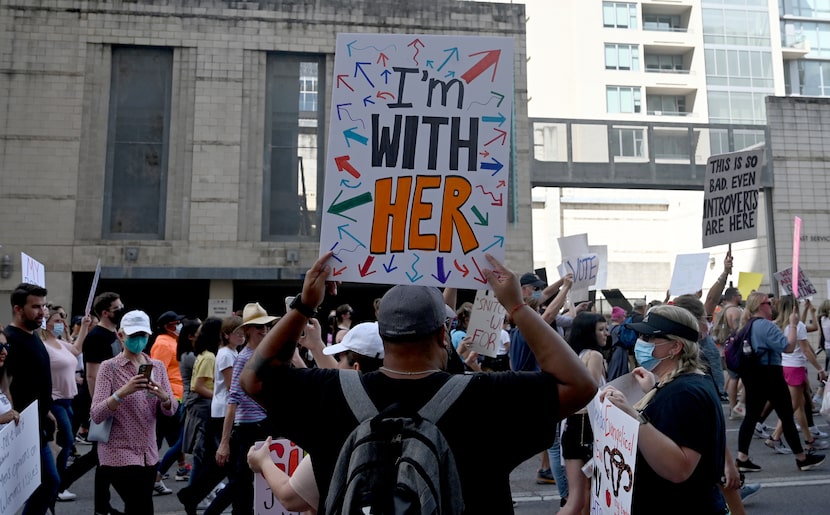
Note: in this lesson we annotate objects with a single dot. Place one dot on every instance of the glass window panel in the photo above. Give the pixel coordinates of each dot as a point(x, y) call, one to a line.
point(611, 57)
point(609, 16)
point(719, 106)
point(626, 100)
point(622, 15)
point(625, 57)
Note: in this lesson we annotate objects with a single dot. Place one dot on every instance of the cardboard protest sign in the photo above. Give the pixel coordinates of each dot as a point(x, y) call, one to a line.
point(602, 274)
point(418, 158)
point(730, 197)
point(573, 245)
point(287, 456)
point(785, 280)
point(585, 269)
point(689, 270)
point(486, 321)
point(749, 282)
point(19, 460)
point(92, 289)
point(33, 271)
point(615, 456)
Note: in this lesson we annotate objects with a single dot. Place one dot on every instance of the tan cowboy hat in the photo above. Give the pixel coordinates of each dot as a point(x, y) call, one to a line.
point(255, 314)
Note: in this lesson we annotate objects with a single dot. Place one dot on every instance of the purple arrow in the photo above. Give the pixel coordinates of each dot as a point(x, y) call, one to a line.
point(441, 277)
point(389, 267)
point(358, 67)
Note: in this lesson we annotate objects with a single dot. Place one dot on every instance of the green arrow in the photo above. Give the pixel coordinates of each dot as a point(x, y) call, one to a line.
point(482, 220)
point(339, 209)
point(501, 98)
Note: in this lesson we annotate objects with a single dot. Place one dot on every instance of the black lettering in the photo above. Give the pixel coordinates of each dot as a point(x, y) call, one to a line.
point(435, 123)
point(402, 72)
point(470, 144)
point(445, 88)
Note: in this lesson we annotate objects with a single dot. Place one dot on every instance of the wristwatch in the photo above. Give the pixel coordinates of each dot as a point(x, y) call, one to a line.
point(306, 310)
point(643, 418)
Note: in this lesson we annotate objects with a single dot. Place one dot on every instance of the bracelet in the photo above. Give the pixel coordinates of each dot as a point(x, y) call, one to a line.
point(116, 398)
point(516, 308)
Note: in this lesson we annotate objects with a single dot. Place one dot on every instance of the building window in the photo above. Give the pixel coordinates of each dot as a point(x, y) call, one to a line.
point(736, 26)
point(622, 57)
point(664, 22)
point(619, 15)
point(667, 105)
point(294, 124)
point(737, 107)
point(137, 143)
point(623, 99)
point(671, 144)
point(807, 9)
point(664, 63)
point(740, 68)
point(813, 78)
point(627, 142)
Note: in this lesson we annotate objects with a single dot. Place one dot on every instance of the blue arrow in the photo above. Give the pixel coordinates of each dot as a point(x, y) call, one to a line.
point(349, 47)
point(449, 74)
point(452, 52)
point(500, 119)
point(415, 276)
point(441, 277)
point(430, 63)
point(338, 109)
point(385, 75)
point(368, 100)
point(336, 243)
point(346, 184)
point(341, 229)
point(495, 165)
point(351, 134)
point(389, 268)
point(358, 67)
point(499, 241)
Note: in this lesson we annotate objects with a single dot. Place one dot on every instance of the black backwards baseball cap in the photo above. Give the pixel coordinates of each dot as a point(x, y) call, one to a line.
point(531, 279)
point(411, 311)
point(658, 325)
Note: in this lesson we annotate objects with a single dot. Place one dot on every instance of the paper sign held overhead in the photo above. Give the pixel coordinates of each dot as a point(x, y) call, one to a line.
point(418, 158)
point(748, 282)
point(585, 269)
point(92, 288)
point(730, 197)
point(785, 280)
point(486, 321)
point(689, 271)
point(602, 275)
point(33, 271)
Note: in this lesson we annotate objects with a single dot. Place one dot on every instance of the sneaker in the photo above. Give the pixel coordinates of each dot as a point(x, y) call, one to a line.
point(66, 496)
point(545, 477)
point(817, 445)
point(80, 438)
point(761, 431)
point(161, 489)
point(817, 433)
point(747, 466)
point(810, 461)
point(738, 412)
point(748, 491)
point(183, 473)
point(777, 446)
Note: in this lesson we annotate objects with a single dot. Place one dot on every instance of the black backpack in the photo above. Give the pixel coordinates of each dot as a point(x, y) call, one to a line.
point(739, 353)
point(393, 462)
point(626, 337)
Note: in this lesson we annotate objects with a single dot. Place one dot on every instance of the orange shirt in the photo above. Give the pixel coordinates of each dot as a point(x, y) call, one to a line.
point(164, 350)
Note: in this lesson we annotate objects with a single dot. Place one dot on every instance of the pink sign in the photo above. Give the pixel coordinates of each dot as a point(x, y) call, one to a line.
point(796, 252)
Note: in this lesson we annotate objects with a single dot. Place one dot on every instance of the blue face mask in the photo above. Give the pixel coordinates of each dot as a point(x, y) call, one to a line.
point(537, 294)
point(58, 330)
point(136, 343)
point(643, 351)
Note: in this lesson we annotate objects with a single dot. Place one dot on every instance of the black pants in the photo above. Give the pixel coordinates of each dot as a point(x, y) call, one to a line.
point(81, 466)
point(766, 383)
point(135, 485)
point(240, 486)
point(207, 474)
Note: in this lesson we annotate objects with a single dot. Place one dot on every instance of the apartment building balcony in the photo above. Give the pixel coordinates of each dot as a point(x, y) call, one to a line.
point(794, 46)
point(666, 17)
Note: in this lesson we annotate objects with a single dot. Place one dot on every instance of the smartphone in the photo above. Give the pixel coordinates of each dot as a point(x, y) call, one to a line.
point(146, 370)
point(288, 301)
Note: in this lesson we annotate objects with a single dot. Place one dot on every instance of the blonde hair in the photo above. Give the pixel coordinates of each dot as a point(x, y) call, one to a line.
point(824, 309)
point(786, 306)
point(753, 304)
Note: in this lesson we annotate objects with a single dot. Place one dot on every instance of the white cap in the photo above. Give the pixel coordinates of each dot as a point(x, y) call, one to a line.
point(363, 339)
point(135, 322)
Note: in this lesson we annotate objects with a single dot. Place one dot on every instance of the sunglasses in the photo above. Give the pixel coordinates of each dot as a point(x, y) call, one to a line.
point(6, 346)
point(650, 337)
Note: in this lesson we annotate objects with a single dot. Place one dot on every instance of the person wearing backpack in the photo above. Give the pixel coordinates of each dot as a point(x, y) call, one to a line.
point(411, 322)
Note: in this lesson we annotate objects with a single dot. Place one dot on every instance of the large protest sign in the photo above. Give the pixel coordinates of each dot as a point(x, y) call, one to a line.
point(92, 288)
point(689, 271)
point(615, 455)
point(486, 322)
point(418, 158)
point(33, 271)
point(602, 275)
point(730, 197)
point(785, 280)
point(749, 282)
point(287, 456)
point(19, 460)
point(585, 269)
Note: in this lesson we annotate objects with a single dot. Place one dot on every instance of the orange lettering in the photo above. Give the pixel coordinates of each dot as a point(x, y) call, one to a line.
point(456, 192)
point(385, 209)
point(422, 211)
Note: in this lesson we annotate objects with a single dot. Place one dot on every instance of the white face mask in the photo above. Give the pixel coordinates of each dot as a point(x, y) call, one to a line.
point(178, 328)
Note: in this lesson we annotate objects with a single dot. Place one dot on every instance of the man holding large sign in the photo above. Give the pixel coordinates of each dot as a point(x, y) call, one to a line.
point(730, 198)
point(418, 158)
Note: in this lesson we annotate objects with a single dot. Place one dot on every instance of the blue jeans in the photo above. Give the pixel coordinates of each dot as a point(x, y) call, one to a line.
point(43, 498)
point(555, 453)
point(171, 427)
point(62, 409)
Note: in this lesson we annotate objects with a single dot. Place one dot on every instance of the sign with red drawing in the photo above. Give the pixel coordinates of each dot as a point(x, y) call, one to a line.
point(286, 456)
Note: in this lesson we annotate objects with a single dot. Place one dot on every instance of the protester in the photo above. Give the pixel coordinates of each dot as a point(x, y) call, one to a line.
point(411, 323)
point(7, 413)
point(462, 316)
point(342, 322)
point(132, 401)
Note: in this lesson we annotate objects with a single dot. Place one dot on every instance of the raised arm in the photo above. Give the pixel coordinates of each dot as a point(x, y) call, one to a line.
point(555, 306)
point(715, 292)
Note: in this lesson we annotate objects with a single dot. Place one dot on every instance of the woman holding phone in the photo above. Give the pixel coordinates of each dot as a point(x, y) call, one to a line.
point(130, 389)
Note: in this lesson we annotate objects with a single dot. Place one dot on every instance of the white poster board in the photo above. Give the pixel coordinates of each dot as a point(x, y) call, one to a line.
point(287, 456)
point(19, 460)
point(486, 322)
point(33, 272)
point(573, 245)
point(585, 269)
point(689, 271)
point(785, 281)
point(730, 197)
point(615, 456)
point(418, 158)
point(602, 275)
point(92, 288)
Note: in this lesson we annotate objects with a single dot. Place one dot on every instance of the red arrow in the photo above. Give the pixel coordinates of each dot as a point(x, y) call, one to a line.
point(341, 79)
point(499, 201)
point(502, 135)
point(463, 268)
point(364, 270)
point(382, 94)
point(415, 42)
point(484, 154)
point(337, 272)
point(482, 279)
point(343, 165)
point(501, 184)
point(491, 58)
point(382, 57)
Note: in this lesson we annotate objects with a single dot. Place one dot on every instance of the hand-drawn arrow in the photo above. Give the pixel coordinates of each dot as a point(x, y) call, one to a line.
point(338, 109)
point(336, 243)
point(496, 166)
point(364, 269)
point(430, 64)
point(480, 278)
point(500, 119)
point(382, 57)
point(341, 229)
point(383, 94)
point(351, 203)
point(368, 100)
point(341, 79)
point(349, 47)
point(499, 201)
point(388, 266)
point(502, 135)
point(358, 67)
point(483, 221)
point(335, 271)
point(453, 52)
point(343, 165)
point(344, 183)
point(415, 276)
point(441, 277)
point(502, 184)
point(501, 98)
point(499, 241)
point(461, 268)
point(351, 134)
point(415, 42)
point(385, 74)
point(479, 186)
point(491, 58)
point(449, 74)
point(484, 154)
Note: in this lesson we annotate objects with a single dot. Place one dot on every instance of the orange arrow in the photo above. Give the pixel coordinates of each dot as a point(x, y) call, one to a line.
point(382, 57)
point(491, 58)
point(337, 272)
point(343, 164)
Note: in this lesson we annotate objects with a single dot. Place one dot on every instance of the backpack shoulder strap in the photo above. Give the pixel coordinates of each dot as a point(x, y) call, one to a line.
point(435, 408)
point(359, 402)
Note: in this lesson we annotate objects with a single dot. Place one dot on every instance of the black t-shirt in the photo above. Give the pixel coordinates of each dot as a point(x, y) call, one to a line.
point(688, 411)
point(30, 372)
point(500, 421)
point(98, 345)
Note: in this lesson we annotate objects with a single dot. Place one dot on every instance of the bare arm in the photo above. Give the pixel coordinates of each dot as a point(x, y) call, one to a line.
point(555, 306)
point(260, 461)
point(200, 387)
point(450, 297)
point(715, 292)
point(78, 346)
point(91, 375)
point(224, 449)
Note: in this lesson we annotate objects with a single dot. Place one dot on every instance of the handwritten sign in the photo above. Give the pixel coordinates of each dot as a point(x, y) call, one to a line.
point(418, 158)
point(33, 271)
point(689, 271)
point(486, 323)
point(602, 276)
point(286, 456)
point(19, 460)
point(94, 287)
point(785, 280)
point(749, 282)
point(796, 251)
point(585, 269)
point(573, 245)
point(615, 455)
point(730, 198)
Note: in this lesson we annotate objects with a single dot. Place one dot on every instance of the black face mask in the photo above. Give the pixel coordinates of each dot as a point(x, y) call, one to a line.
point(117, 315)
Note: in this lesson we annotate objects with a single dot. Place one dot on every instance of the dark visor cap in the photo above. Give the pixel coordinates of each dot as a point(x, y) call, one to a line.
point(657, 325)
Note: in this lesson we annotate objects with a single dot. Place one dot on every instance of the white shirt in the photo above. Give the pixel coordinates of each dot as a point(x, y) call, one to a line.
point(505, 340)
point(796, 358)
point(224, 360)
point(825, 326)
point(5, 406)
